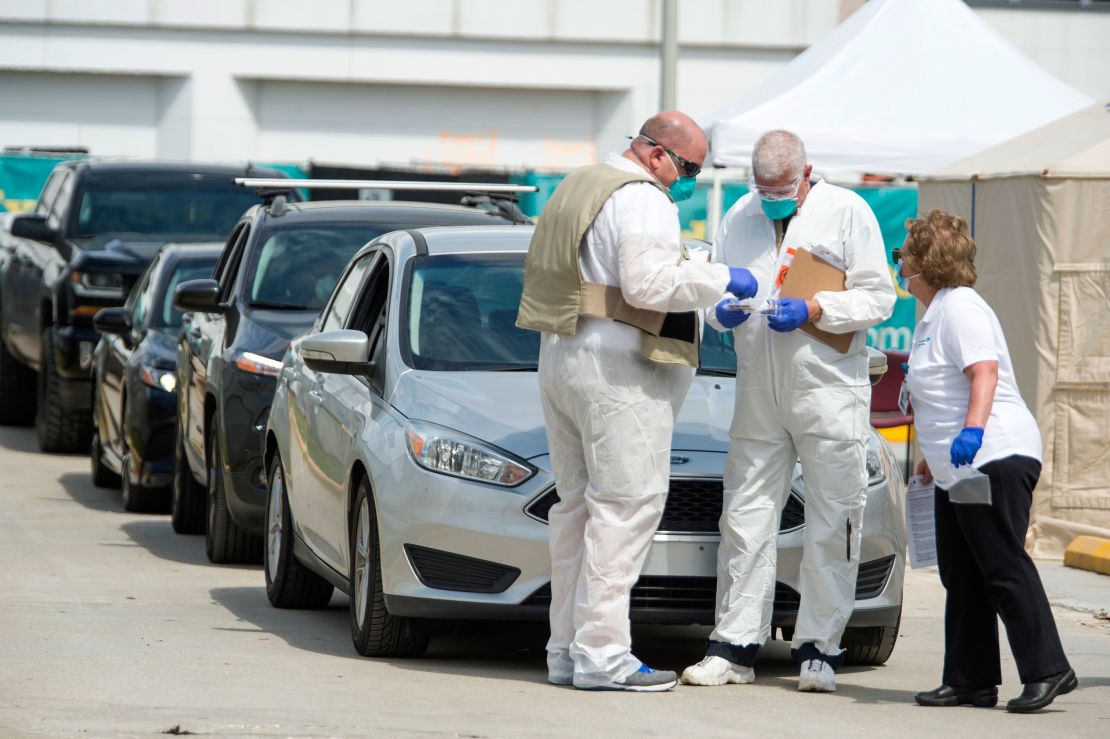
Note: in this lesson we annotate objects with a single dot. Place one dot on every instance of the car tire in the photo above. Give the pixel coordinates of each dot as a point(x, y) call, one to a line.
point(187, 497)
point(60, 429)
point(375, 632)
point(224, 541)
point(289, 584)
point(102, 477)
point(17, 390)
point(870, 646)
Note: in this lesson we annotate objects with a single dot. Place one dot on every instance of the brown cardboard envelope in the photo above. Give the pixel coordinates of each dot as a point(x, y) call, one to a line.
point(808, 276)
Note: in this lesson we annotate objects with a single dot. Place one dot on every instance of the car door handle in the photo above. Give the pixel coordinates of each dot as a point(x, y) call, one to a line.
point(316, 397)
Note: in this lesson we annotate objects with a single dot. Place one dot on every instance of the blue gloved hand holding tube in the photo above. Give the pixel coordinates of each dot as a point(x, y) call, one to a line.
point(741, 283)
point(730, 318)
point(965, 446)
point(788, 315)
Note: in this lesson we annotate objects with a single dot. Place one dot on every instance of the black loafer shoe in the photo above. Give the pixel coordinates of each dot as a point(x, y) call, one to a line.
point(1039, 694)
point(946, 696)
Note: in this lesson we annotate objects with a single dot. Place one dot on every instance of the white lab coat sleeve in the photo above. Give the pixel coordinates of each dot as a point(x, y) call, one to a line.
point(868, 296)
point(653, 274)
point(717, 255)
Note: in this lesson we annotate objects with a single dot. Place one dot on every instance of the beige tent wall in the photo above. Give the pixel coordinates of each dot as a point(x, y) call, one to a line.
point(1044, 267)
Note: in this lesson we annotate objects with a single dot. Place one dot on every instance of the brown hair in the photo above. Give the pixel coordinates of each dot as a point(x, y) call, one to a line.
point(940, 246)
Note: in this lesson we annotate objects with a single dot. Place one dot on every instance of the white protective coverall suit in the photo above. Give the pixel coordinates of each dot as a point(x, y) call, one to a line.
point(610, 415)
point(798, 398)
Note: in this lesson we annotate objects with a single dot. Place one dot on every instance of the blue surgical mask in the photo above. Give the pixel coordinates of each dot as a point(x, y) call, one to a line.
point(904, 282)
point(776, 210)
point(682, 188)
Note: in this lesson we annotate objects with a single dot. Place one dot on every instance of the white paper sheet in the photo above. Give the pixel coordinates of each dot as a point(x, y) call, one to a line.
point(920, 527)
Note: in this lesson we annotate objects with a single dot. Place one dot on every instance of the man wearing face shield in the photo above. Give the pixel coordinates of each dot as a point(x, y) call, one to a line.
point(608, 282)
point(796, 398)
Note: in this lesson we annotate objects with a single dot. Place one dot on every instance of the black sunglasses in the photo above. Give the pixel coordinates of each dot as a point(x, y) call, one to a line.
point(688, 168)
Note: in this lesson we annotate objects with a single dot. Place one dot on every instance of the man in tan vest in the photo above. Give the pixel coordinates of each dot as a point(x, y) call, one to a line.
point(609, 283)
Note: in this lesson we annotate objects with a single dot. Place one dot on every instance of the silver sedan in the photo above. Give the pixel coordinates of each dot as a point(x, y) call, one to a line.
point(407, 462)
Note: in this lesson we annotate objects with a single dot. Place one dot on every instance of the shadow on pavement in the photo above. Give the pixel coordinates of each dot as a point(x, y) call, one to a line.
point(157, 536)
point(78, 485)
point(19, 439)
point(324, 631)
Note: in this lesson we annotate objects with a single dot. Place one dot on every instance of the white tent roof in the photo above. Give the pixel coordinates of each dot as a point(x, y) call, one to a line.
point(1077, 145)
point(900, 87)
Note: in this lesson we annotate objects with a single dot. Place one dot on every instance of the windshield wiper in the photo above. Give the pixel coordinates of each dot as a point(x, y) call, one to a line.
point(270, 305)
point(715, 372)
point(502, 368)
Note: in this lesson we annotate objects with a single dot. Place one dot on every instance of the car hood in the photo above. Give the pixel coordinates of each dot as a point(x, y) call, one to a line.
point(504, 409)
point(160, 347)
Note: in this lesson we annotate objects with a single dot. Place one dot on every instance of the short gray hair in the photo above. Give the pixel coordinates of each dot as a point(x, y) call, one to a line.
point(778, 155)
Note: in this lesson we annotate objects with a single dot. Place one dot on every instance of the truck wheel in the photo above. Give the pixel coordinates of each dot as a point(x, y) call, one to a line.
point(187, 506)
point(375, 632)
point(60, 429)
point(289, 584)
point(224, 541)
point(17, 390)
point(870, 646)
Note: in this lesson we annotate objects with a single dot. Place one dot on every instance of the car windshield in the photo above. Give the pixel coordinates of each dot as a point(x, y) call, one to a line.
point(193, 269)
point(296, 268)
point(461, 316)
point(203, 207)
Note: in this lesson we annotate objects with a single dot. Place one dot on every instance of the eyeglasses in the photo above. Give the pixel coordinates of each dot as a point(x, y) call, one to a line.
point(766, 192)
point(688, 168)
point(896, 255)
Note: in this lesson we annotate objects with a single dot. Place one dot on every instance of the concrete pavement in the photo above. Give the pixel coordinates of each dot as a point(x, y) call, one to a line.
point(111, 624)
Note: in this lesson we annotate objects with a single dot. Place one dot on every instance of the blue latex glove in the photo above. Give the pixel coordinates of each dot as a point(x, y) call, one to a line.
point(741, 283)
point(730, 318)
point(793, 312)
point(965, 446)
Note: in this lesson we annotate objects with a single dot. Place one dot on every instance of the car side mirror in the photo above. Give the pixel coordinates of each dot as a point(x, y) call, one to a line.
point(33, 226)
point(339, 352)
point(202, 296)
point(115, 321)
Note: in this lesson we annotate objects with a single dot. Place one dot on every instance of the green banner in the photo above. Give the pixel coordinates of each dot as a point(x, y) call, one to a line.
point(891, 205)
point(21, 179)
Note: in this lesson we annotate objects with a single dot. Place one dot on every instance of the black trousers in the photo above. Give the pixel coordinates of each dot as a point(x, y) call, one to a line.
point(986, 571)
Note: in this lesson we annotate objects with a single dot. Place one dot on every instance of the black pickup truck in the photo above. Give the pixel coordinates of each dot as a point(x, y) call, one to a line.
point(95, 227)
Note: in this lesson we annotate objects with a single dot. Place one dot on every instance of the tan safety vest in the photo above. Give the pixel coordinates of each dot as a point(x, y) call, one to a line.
point(554, 292)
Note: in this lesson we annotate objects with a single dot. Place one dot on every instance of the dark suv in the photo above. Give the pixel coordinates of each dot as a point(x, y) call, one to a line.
point(92, 232)
point(275, 274)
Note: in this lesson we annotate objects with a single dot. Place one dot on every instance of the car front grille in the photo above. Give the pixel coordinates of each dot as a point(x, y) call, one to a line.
point(693, 507)
point(873, 576)
point(700, 593)
point(160, 444)
point(457, 572)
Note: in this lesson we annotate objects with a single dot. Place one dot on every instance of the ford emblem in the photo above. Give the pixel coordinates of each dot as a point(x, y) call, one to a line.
point(680, 460)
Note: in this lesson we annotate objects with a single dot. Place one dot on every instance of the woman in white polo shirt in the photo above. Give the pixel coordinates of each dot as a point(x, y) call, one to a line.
point(970, 420)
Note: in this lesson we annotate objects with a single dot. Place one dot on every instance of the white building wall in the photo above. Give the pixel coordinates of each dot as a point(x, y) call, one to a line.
point(541, 84)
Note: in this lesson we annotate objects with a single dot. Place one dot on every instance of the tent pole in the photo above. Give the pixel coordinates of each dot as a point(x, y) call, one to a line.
point(668, 61)
point(714, 206)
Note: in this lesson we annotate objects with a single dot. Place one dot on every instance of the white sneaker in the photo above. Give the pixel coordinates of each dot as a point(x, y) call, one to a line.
point(817, 677)
point(717, 671)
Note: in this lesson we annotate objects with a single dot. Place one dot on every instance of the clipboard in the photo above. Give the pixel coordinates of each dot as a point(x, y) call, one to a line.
point(809, 275)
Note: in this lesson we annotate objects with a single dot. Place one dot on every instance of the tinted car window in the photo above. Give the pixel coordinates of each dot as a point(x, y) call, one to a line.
point(297, 268)
point(346, 294)
point(461, 315)
point(126, 203)
point(169, 316)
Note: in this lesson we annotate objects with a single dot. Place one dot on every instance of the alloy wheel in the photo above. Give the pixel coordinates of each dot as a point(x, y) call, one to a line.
point(362, 562)
point(273, 529)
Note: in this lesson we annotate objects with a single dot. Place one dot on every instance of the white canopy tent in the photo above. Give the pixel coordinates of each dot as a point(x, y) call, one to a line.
point(901, 87)
point(1039, 208)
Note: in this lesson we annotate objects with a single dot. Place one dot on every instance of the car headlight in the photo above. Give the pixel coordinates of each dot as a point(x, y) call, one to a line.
point(876, 471)
point(97, 284)
point(448, 452)
point(159, 379)
point(256, 364)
